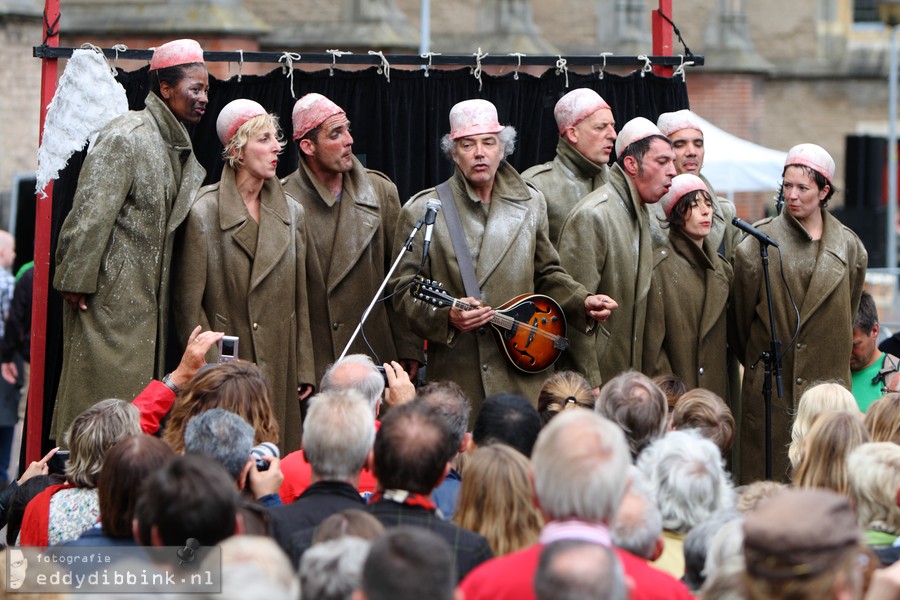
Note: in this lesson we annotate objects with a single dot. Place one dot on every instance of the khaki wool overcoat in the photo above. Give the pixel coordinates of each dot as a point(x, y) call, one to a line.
point(249, 281)
point(360, 258)
point(136, 187)
point(826, 279)
point(605, 246)
point(686, 330)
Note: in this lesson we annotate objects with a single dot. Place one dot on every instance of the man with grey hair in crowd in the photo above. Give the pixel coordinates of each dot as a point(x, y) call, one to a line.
point(359, 373)
point(587, 135)
point(578, 570)
point(686, 474)
point(452, 404)
point(227, 438)
point(580, 465)
point(638, 526)
point(332, 570)
point(337, 441)
point(637, 405)
point(500, 226)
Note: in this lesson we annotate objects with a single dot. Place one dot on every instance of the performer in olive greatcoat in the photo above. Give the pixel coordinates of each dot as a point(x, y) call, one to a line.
point(686, 309)
point(115, 247)
point(587, 134)
point(605, 246)
point(824, 265)
point(241, 266)
point(352, 212)
point(504, 221)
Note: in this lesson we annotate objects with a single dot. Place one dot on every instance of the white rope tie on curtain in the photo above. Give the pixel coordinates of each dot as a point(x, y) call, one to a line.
point(287, 68)
point(385, 65)
point(518, 56)
point(476, 71)
point(335, 54)
point(562, 68)
point(428, 55)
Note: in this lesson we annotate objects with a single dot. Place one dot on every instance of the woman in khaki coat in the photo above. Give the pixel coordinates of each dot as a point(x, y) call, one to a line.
point(241, 263)
point(686, 330)
point(818, 276)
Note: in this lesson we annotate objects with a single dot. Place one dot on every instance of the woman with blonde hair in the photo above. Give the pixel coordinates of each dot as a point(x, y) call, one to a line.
point(874, 479)
point(831, 438)
point(883, 419)
point(819, 398)
point(242, 263)
point(237, 386)
point(564, 390)
point(61, 513)
point(496, 499)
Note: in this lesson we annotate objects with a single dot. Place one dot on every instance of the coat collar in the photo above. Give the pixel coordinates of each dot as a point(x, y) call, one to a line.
point(274, 222)
point(684, 245)
point(632, 201)
point(355, 186)
point(577, 162)
point(172, 130)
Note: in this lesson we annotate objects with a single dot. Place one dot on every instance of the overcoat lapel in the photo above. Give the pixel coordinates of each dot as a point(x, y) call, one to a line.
point(275, 221)
point(831, 266)
point(503, 225)
point(358, 224)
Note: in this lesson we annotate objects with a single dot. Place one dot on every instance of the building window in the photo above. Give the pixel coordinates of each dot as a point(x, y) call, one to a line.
point(865, 11)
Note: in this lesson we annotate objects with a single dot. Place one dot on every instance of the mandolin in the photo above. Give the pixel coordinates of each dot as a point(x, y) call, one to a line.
point(530, 329)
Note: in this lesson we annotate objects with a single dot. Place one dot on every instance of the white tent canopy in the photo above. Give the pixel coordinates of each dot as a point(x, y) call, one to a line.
point(734, 165)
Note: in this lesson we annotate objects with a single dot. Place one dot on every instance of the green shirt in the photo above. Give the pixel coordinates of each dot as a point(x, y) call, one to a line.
point(863, 389)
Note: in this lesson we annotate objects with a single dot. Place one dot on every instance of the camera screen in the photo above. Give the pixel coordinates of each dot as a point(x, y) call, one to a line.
point(228, 346)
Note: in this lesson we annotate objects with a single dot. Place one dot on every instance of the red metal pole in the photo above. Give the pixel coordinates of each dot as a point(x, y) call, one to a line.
point(662, 36)
point(44, 212)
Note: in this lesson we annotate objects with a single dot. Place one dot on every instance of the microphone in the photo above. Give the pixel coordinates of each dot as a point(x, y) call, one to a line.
point(433, 208)
point(748, 228)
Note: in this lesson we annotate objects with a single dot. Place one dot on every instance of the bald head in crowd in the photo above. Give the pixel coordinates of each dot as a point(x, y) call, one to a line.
point(587, 135)
point(355, 372)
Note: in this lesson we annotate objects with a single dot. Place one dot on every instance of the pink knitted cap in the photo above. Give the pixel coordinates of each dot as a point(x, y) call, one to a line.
point(176, 52)
point(576, 106)
point(671, 122)
point(635, 130)
point(812, 156)
point(236, 113)
point(681, 185)
point(310, 111)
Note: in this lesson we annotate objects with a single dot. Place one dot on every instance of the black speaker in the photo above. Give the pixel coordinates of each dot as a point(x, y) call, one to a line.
point(870, 224)
point(865, 171)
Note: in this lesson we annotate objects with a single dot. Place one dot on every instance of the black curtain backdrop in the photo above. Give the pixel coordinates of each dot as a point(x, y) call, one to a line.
point(396, 126)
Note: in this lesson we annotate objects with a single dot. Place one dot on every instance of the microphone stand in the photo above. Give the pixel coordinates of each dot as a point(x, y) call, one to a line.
point(407, 247)
point(771, 360)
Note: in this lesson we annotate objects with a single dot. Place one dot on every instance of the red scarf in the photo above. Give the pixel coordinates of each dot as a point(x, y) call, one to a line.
point(404, 497)
point(36, 521)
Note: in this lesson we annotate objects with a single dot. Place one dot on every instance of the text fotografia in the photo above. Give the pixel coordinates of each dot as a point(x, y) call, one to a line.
point(82, 570)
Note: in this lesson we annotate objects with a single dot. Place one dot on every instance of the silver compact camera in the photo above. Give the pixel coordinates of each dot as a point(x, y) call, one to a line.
point(228, 348)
